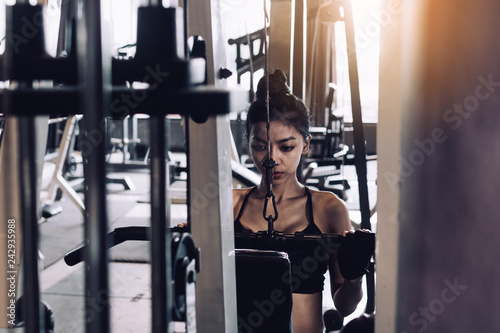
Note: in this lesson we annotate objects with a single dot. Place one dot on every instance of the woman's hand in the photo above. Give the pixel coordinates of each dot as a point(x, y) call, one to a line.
point(182, 226)
point(354, 253)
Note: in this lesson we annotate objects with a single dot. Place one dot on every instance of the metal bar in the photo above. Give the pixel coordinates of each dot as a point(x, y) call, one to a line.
point(117, 236)
point(299, 51)
point(28, 156)
point(212, 224)
point(281, 37)
point(205, 100)
point(66, 187)
point(359, 142)
point(29, 222)
point(135, 138)
point(398, 86)
point(281, 236)
point(185, 12)
point(62, 152)
point(34, 101)
point(10, 214)
point(359, 138)
point(210, 188)
point(95, 72)
point(160, 251)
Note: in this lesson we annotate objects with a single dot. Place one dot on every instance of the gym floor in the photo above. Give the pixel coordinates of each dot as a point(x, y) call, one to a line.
point(130, 295)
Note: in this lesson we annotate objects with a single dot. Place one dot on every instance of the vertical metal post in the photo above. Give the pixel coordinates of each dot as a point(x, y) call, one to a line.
point(29, 222)
point(281, 37)
point(298, 81)
point(19, 209)
point(94, 70)
point(359, 142)
point(359, 138)
point(160, 240)
point(212, 223)
point(10, 214)
point(389, 145)
point(211, 209)
point(26, 141)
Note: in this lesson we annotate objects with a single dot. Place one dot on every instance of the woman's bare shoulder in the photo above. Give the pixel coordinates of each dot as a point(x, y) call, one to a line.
point(241, 192)
point(239, 195)
point(329, 199)
point(330, 212)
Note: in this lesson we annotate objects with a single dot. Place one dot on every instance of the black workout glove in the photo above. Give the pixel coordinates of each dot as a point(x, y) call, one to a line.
point(354, 254)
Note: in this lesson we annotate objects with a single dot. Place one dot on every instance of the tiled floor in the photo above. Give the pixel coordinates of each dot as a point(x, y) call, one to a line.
point(130, 297)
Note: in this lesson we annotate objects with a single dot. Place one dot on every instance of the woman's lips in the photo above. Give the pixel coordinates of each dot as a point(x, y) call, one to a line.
point(277, 174)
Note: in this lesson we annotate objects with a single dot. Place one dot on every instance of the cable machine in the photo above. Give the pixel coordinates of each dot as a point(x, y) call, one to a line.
point(89, 82)
point(286, 51)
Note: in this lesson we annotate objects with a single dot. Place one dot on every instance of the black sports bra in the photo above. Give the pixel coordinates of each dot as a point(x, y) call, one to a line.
point(309, 260)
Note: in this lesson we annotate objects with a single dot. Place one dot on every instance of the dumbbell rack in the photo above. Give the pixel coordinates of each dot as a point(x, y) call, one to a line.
point(89, 82)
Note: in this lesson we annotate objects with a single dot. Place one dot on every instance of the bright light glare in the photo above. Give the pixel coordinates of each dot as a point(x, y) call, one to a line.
point(366, 15)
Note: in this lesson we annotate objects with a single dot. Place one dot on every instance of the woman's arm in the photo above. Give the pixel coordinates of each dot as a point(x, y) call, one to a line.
point(346, 294)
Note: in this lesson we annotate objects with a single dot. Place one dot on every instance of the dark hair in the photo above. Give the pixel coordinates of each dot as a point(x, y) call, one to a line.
point(283, 106)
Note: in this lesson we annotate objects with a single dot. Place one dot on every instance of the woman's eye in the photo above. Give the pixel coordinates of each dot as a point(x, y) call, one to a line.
point(258, 147)
point(287, 148)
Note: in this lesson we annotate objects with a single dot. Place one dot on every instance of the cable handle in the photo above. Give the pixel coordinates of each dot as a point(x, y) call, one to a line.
point(270, 218)
point(269, 165)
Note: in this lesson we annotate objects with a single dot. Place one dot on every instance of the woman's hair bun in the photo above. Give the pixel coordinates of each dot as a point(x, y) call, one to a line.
point(277, 85)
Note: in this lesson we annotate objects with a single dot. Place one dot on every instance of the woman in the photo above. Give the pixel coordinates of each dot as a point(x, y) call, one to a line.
point(299, 209)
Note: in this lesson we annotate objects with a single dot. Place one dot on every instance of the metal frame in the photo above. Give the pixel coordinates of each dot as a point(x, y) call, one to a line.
point(94, 62)
point(10, 208)
point(90, 82)
point(23, 148)
point(58, 180)
point(21, 161)
point(281, 37)
point(210, 198)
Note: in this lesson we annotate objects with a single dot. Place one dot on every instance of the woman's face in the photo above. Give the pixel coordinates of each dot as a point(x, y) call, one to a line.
point(287, 146)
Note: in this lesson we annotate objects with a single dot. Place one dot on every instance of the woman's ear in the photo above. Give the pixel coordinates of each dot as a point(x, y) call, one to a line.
point(307, 144)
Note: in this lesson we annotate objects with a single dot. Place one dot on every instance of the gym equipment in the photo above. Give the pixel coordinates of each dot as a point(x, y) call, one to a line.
point(255, 61)
point(48, 316)
point(264, 297)
point(185, 264)
point(91, 83)
point(243, 175)
point(363, 324)
point(263, 237)
point(331, 12)
point(332, 153)
point(58, 181)
point(328, 153)
point(17, 61)
point(333, 321)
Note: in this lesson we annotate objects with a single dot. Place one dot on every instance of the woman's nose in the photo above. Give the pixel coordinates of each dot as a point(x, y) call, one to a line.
point(275, 153)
